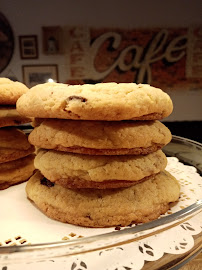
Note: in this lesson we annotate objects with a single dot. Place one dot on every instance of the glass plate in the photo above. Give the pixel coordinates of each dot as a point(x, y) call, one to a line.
point(99, 241)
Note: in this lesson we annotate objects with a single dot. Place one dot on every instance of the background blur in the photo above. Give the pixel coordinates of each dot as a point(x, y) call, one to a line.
point(29, 17)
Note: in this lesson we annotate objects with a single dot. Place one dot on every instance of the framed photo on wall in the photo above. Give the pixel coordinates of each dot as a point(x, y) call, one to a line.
point(37, 74)
point(28, 47)
point(52, 40)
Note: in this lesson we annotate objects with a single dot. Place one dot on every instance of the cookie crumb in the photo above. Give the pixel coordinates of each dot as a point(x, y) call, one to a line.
point(65, 238)
point(72, 234)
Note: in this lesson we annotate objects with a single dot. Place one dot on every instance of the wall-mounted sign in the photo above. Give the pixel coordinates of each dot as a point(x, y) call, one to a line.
point(167, 58)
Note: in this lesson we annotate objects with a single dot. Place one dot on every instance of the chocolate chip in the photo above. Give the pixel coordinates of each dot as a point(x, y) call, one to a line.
point(82, 99)
point(88, 216)
point(47, 183)
point(17, 122)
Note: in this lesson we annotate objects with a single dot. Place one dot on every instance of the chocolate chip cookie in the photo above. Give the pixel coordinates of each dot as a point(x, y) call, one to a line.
point(13, 144)
point(9, 94)
point(101, 137)
point(88, 171)
point(104, 208)
point(16, 171)
point(102, 101)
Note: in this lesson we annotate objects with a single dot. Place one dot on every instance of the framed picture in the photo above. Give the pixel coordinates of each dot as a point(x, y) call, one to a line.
point(37, 74)
point(52, 40)
point(28, 47)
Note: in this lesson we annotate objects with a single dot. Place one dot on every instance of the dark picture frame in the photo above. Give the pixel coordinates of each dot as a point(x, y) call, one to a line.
point(52, 37)
point(28, 47)
point(38, 74)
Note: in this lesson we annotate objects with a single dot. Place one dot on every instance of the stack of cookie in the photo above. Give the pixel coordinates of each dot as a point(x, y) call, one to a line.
point(16, 153)
point(97, 166)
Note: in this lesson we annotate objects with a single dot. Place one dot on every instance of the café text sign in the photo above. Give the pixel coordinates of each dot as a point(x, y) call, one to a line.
point(160, 57)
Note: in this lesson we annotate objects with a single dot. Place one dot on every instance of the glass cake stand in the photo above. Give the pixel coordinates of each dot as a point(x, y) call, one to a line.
point(30, 239)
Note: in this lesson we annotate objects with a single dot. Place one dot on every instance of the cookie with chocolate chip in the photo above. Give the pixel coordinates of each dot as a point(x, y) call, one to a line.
point(105, 208)
point(10, 117)
point(14, 144)
point(100, 137)
point(16, 171)
point(89, 171)
point(9, 94)
point(10, 91)
point(102, 101)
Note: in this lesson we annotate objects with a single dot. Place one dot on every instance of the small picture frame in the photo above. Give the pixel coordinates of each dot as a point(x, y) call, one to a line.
point(28, 47)
point(38, 74)
point(52, 40)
